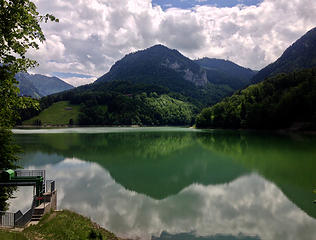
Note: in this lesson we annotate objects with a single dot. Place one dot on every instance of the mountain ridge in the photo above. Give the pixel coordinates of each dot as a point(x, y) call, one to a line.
point(301, 54)
point(159, 59)
point(220, 71)
point(37, 85)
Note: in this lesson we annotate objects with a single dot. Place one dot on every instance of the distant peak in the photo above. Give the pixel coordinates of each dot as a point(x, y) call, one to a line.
point(156, 49)
point(159, 46)
point(215, 59)
point(312, 30)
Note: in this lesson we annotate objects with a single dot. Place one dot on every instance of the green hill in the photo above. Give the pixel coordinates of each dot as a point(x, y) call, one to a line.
point(60, 225)
point(283, 101)
point(58, 113)
point(139, 109)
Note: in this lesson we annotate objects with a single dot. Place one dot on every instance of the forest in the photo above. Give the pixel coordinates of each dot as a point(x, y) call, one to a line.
point(140, 109)
point(279, 102)
point(123, 103)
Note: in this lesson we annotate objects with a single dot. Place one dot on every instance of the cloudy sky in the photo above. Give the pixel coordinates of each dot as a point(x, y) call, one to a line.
point(93, 34)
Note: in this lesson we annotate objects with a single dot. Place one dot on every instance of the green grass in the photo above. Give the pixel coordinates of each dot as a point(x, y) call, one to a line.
point(63, 225)
point(10, 235)
point(57, 114)
point(67, 225)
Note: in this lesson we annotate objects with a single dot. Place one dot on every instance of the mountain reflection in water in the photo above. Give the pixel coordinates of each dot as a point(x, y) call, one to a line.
point(217, 185)
point(191, 236)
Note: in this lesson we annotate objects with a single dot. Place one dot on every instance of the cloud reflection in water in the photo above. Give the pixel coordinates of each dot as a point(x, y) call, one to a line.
point(249, 205)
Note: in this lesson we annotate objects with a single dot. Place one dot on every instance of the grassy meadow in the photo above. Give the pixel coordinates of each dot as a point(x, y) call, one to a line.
point(58, 113)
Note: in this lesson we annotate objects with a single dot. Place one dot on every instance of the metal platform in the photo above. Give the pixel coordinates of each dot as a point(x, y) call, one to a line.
point(46, 195)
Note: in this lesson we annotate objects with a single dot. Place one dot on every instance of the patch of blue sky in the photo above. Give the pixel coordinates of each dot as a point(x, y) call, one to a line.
point(70, 75)
point(187, 4)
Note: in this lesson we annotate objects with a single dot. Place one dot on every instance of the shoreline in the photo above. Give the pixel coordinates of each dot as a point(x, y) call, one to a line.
point(287, 131)
point(91, 126)
point(52, 225)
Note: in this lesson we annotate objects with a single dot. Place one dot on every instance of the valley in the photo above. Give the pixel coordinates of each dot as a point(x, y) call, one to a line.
point(160, 86)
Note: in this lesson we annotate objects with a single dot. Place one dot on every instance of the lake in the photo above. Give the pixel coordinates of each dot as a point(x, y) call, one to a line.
point(179, 183)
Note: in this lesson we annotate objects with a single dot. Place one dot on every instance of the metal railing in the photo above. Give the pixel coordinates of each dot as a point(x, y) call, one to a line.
point(30, 173)
point(50, 186)
point(25, 218)
point(7, 219)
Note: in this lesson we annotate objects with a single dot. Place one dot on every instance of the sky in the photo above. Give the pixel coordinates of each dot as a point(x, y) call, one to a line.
point(187, 4)
point(93, 34)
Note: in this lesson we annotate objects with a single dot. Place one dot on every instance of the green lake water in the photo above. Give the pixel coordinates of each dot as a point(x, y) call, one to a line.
point(179, 183)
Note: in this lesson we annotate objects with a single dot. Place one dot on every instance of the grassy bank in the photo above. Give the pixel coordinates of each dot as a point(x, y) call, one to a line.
point(58, 113)
point(7, 235)
point(59, 226)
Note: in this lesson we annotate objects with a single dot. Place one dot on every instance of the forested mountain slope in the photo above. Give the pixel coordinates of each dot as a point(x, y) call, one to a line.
point(159, 65)
point(220, 71)
point(302, 54)
point(282, 101)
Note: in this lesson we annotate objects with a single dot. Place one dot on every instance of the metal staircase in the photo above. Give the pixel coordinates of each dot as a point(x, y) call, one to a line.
point(44, 199)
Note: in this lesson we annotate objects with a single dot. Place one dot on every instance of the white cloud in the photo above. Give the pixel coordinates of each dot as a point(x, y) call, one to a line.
point(77, 81)
point(93, 34)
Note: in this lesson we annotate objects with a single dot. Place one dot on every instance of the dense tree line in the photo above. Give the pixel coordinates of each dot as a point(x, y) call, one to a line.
point(127, 103)
point(140, 109)
point(179, 89)
point(275, 103)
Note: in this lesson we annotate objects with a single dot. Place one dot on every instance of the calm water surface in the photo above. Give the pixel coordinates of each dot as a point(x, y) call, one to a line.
point(179, 183)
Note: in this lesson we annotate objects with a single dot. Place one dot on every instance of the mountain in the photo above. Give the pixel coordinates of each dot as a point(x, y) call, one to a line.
point(160, 70)
point(38, 85)
point(163, 66)
point(221, 71)
point(26, 87)
point(155, 86)
point(157, 65)
point(302, 54)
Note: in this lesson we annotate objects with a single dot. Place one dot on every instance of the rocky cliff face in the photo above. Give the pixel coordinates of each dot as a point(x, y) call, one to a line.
point(156, 63)
point(199, 78)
